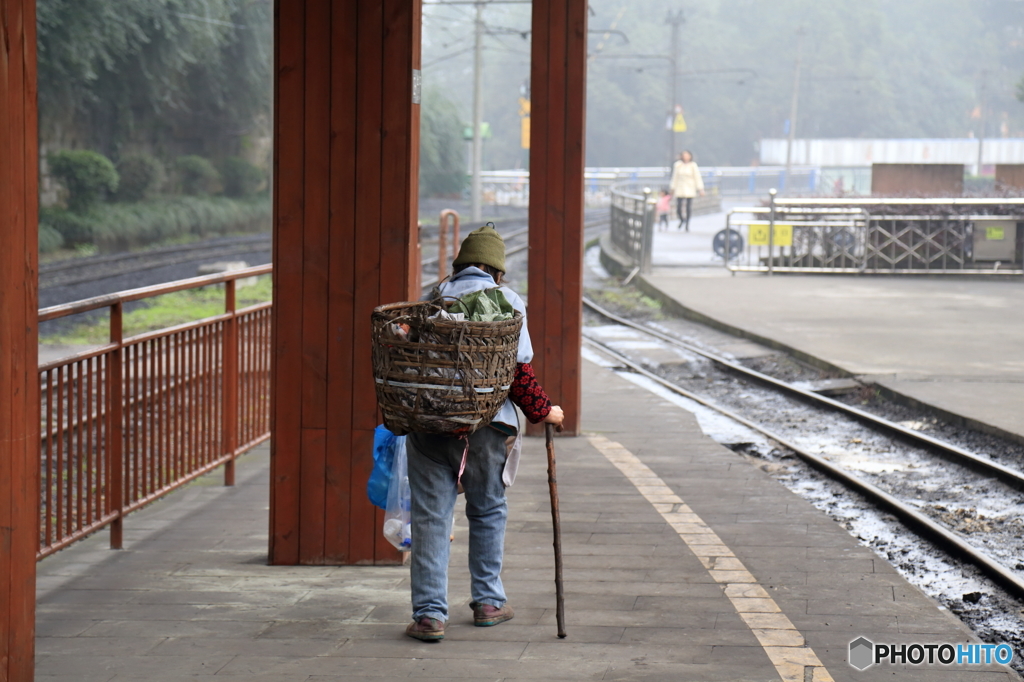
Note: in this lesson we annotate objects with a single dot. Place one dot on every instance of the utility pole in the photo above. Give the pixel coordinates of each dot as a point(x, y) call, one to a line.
point(795, 104)
point(675, 20)
point(981, 121)
point(478, 112)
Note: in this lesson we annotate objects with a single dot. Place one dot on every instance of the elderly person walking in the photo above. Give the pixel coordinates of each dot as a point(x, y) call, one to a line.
point(686, 183)
point(436, 464)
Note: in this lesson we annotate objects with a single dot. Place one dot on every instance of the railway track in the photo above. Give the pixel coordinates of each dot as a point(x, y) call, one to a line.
point(910, 512)
point(68, 273)
point(92, 268)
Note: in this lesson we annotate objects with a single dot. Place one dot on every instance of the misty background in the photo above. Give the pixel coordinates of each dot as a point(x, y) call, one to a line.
point(897, 69)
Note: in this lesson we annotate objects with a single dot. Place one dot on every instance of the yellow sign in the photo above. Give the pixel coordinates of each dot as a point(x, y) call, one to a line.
point(758, 234)
point(679, 123)
point(995, 234)
point(524, 123)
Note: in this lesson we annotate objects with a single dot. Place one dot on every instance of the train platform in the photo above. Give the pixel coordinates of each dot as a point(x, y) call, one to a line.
point(951, 344)
point(683, 561)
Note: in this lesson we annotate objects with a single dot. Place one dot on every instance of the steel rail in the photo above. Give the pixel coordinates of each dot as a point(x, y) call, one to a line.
point(942, 536)
point(77, 270)
point(952, 452)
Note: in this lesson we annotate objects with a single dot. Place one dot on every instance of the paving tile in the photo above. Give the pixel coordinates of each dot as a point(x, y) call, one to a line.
point(495, 669)
point(64, 627)
point(670, 634)
point(659, 672)
point(286, 667)
point(73, 647)
point(298, 647)
point(131, 667)
point(179, 628)
point(566, 650)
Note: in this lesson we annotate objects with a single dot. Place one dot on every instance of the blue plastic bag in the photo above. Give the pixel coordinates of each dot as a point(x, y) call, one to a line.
point(383, 458)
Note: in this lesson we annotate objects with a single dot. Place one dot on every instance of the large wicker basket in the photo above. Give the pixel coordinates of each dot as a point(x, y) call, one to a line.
point(437, 375)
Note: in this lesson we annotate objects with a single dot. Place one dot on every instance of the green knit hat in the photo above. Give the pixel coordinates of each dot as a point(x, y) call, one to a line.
point(483, 246)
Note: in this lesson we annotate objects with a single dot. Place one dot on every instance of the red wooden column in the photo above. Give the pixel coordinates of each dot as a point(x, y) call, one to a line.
point(19, 382)
point(558, 86)
point(346, 144)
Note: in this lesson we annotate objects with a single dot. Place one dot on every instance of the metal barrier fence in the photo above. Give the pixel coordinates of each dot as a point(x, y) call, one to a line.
point(128, 422)
point(632, 226)
point(934, 236)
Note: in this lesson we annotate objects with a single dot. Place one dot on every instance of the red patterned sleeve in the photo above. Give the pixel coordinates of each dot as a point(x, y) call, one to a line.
point(528, 394)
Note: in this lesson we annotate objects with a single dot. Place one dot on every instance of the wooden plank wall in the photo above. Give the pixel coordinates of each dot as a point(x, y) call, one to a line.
point(1010, 175)
point(558, 116)
point(917, 179)
point(19, 383)
point(345, 188)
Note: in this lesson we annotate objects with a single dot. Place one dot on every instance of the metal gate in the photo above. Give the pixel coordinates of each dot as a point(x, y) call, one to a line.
point(880, 236)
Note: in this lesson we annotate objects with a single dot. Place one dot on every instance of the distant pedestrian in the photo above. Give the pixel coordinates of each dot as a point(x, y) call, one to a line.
point(686, 183)
point(662, 208)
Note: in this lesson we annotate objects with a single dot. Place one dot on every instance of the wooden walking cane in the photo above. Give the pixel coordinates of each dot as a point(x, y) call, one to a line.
point(549, 434)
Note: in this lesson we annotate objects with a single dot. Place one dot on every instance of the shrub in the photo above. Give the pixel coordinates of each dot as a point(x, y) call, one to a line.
point(196, 175)
point(73, 228)
point(122, 226)
point(140, 176)
point(49, 239)
point(87, 176)
point(241, 178)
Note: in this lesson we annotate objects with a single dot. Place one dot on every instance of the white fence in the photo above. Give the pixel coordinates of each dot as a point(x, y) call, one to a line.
point(512, 187)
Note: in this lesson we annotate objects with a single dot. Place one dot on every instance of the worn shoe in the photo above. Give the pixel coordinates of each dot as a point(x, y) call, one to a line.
point(485, 615)
point(426, 629)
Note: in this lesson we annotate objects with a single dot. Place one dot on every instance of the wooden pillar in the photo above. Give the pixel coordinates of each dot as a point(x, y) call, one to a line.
point(558, 88)
point(346, 139)
point(19, 382)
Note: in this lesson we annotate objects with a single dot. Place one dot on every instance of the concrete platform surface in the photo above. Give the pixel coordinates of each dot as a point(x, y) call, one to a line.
point(955, 344)
point(682, 562)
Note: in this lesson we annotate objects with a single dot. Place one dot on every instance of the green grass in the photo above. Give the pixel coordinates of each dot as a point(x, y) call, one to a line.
point(166, 311)
point(624, 300)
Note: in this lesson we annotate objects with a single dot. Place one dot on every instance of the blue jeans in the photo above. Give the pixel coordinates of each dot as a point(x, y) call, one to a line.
point(433, 470)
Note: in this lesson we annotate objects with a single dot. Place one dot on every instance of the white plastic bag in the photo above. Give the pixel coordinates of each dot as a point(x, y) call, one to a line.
point(398, 516)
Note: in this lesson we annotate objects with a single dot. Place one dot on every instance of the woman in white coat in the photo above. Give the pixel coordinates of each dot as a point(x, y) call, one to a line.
point(685, 184)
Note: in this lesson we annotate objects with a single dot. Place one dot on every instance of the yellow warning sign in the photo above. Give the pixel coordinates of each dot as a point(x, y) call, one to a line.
point(679, 123)
point(995, 234)
point(758, 234)
point(783, 235)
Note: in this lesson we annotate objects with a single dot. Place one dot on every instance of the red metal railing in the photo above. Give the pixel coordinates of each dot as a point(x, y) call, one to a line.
point(131, 420)
point(442, 238)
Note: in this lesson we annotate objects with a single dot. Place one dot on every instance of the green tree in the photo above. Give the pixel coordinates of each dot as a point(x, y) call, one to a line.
point(117, 73)
point(442, 150)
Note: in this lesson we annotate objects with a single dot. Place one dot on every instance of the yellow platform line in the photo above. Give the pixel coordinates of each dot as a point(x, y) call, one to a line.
point(784, 644)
